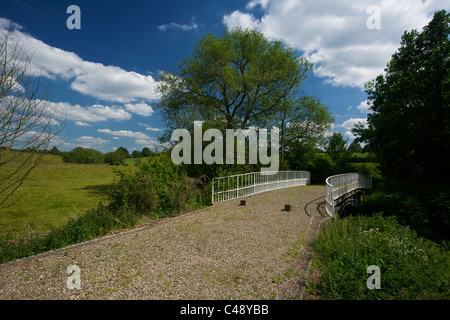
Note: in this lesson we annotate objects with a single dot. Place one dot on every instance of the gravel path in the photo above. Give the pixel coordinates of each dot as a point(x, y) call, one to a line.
point(227, 251)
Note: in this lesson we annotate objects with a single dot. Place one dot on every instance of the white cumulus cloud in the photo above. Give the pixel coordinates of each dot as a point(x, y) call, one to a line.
point(82, 124)
point(364, 107)
point(125, 133)
point(110, 83)
point(333, 34)
point(141, 109)
point(91, 140)
point(83, 115)
point(254, 3)
point(184, 27)
point(86, 142)
point(350, 123)
point(148, 127)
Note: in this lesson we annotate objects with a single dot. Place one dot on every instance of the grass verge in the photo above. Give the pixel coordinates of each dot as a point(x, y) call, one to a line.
point(411, 267)
point(97, 222)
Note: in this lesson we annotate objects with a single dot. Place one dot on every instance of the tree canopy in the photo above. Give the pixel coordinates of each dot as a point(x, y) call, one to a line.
point(409, 129)
point(239, 79)
point(243, 80)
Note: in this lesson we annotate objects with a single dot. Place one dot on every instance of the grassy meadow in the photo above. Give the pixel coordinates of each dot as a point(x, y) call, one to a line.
point(134, 161)
point(55, 192)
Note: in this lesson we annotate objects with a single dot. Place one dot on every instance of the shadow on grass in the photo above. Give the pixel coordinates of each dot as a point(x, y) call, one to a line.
point(97, 190)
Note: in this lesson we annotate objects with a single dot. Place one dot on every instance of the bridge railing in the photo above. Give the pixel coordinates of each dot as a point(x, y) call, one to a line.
point(341, 184)
point(243, 185)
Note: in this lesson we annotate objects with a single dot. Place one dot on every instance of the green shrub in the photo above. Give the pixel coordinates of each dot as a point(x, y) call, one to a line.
point(411, 267)
point(366, 168)
point(359, 157)
point(83, 155)
point(159, 188)
point(115, 157)
point(321, 168)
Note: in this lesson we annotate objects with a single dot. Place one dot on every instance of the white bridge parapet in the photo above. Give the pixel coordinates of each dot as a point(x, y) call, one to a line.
point(339, 185)
point(243, 185)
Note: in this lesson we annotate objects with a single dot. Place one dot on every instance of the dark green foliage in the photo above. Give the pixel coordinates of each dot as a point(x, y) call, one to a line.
point(425, 207)
point(303, 123)
point(136, 154)
point(354, 147)
point(83, 155)
point(159, 188)
point(336, 147)
point(55, 151)
point(321, 167)
point(116, 157)
point(359, 157)
point(125, 151)
point(146, 152)
point(409, 129)
point(299, 154)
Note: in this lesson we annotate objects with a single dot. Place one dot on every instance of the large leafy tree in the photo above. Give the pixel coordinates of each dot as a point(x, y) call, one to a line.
point(242, 80)
point(238, 79)
point(409, 129)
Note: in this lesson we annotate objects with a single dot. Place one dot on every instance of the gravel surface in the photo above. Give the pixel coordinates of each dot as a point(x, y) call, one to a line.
point(227, 251)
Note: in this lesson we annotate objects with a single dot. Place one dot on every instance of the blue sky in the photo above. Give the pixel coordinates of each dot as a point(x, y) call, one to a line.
point(103, 75)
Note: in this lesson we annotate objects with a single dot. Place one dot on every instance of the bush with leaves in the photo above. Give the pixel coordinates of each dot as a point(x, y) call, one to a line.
point(158, 188)
point(84, 155)
point(115, 157)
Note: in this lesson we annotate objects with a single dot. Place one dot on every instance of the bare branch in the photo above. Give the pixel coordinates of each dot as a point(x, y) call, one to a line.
point(27, 124)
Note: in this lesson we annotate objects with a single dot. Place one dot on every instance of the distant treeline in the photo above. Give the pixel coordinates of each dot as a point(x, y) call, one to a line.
point(92, 156)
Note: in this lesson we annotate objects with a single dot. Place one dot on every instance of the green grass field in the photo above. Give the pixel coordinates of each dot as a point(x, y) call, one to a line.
point(54, 192)
point(134, 161)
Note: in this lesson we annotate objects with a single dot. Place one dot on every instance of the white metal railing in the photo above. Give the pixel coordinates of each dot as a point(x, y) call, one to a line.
point(341, 184)
point(243, 185)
